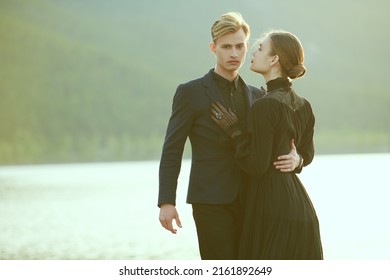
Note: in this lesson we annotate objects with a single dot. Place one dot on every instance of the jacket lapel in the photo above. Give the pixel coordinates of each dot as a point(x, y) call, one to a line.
point(211, 88)
point(250, 97)
point(251, 93)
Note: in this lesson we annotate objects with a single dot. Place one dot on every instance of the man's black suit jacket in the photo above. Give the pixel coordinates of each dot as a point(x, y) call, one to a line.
point(214, 176)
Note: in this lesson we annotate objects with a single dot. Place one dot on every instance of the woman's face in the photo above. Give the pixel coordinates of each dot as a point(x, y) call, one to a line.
point(261, 59)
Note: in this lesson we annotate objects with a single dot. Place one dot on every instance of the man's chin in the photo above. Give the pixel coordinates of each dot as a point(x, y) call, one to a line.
point(233, 67)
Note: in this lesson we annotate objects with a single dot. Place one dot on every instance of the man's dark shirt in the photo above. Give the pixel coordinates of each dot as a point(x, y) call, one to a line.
point(233, 95)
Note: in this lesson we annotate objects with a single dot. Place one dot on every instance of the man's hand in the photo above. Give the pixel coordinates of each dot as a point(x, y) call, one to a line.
point(288, 163)
point(167, 214)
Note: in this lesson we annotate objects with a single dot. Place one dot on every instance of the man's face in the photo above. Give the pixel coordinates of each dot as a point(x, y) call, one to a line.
point(230, 50)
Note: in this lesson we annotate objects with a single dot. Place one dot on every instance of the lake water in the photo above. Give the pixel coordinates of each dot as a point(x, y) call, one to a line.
point(108, 210)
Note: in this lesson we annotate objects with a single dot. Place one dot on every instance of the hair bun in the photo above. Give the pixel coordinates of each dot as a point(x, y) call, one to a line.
point(297, 71)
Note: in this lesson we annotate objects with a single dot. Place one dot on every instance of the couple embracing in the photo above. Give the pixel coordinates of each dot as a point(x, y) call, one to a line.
point(247, 146)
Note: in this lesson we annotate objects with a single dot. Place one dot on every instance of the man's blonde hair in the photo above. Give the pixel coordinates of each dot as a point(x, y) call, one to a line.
point(227, 23)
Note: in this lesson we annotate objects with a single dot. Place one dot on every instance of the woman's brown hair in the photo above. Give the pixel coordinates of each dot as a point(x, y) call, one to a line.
point(289, 49)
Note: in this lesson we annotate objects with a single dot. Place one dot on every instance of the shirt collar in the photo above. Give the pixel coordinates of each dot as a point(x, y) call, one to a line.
point(225, 82)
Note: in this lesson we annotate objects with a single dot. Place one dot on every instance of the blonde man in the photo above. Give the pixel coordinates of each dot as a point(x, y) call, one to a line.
point(216, 184)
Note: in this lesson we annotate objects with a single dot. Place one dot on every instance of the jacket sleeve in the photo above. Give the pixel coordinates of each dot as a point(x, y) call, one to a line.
point(177, 132)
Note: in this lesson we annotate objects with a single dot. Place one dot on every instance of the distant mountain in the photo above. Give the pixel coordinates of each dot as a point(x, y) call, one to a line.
point(94, 80)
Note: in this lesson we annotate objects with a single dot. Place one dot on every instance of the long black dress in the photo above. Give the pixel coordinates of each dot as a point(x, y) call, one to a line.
point(280, 221)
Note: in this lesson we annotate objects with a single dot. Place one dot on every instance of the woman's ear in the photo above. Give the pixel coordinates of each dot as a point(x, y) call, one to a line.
point(274, 60)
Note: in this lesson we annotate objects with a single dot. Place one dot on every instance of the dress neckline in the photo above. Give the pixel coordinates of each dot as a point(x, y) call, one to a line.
point(278, 83)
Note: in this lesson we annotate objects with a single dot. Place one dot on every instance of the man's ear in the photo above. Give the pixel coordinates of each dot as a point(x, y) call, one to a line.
point(212, 47)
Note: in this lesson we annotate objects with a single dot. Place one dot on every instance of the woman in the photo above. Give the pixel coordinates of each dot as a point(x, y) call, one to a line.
point(280, 221)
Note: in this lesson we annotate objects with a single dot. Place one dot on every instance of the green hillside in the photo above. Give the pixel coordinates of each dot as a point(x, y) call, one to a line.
point(94, 80)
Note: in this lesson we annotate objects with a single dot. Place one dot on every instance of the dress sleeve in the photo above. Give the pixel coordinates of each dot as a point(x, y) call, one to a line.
point(254, 149)
point(306, 147)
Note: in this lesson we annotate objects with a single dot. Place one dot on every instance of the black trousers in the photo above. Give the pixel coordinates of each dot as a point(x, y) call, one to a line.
point(218, 228)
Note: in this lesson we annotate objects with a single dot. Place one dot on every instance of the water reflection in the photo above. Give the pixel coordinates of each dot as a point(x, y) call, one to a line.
point(108, 210)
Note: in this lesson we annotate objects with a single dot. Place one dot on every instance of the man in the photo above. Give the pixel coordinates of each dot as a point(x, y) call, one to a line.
point(216, 184)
